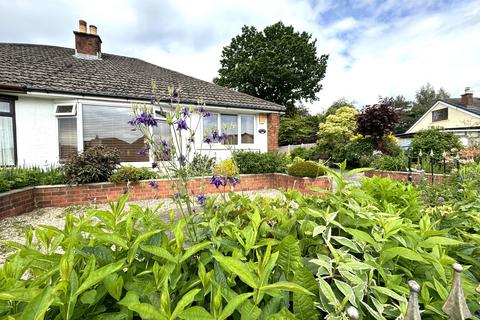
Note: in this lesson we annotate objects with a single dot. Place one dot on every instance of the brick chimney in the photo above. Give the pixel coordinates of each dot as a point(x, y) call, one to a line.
point(88, 45)
point(467, 97)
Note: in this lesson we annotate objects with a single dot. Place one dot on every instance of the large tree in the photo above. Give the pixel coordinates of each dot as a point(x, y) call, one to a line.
point(277, 64)
point(426, 97)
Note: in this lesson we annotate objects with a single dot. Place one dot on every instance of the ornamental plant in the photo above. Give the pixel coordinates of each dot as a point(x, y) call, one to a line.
point(174, 157)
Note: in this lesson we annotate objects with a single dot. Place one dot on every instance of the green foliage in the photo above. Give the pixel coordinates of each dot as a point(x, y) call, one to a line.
point(391, 163)
point(306, 169)
point(16, 177)
point(293, 257)
point(277, 64)
point(312, 153)
point(126, 174)
point(201, 165)
point(251, 162)
point(96, 164)
point(337, 129)
point(434, 139)
point(297, 130)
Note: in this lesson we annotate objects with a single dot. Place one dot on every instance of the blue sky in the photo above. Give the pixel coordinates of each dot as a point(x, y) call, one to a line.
point(375, 47)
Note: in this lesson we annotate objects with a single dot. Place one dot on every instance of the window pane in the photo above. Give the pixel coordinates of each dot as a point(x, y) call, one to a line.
point(230, 128)
point(247, 129)
point(65, 109)
point(210, 124)
point(7, 146)
point(438, 115)
point(4, 106)
point(108, 126)
point(162, 132)
point(67, 137)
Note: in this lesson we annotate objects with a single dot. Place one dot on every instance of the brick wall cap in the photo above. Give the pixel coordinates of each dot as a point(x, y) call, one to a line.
point(10, 192)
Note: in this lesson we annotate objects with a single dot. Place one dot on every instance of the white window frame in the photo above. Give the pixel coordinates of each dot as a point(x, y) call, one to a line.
point(239, 130)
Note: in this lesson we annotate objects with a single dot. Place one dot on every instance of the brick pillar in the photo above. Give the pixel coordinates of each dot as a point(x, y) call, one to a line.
point(273, 122)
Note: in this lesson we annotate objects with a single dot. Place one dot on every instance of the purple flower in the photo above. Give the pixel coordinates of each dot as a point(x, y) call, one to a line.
point(181, 124)
point(201, 199)
point(153, 184)
point(222, 137)
point(207, 114)
point(142, 152)
point(177, 196)
point(185, 112)
point(201, 109)
point(218, 181)
point(175, 93)
point(214, 135)
point(145, 119)
point(235, 181)
point(182, 159)
point(208, 140)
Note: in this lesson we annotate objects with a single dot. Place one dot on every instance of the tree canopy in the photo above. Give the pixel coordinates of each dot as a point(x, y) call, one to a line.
point(277, 64)
point(337, 129)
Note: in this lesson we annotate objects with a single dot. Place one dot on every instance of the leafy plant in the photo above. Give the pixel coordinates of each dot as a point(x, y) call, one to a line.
point(391, 163)
point(17, 177)
point(130, 174)
point(298, 129)
point(96, 164)
point(436, 140)
point(201, 165)
point(251, 162)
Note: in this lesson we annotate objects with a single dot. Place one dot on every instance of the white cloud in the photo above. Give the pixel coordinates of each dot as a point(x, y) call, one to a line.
point(386, 49)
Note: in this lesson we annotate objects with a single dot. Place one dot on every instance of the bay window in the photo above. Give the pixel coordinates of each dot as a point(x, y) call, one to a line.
point(108, 126)
point(8, 152)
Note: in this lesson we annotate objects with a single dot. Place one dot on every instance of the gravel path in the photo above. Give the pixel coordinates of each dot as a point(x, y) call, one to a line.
point(13, 228)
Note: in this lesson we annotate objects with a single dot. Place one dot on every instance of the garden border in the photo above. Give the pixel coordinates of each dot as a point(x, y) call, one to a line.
point(16, 202)
point(402, 176)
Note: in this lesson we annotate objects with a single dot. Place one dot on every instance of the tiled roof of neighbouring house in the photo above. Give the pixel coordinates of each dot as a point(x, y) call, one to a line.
point(457, 102)
point(55, 69)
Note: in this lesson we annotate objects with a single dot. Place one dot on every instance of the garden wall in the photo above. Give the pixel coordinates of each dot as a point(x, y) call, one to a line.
point(20, 201)
point(417, 177)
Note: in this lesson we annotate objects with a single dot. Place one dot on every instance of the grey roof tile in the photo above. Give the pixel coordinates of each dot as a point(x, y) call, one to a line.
point(55, 69)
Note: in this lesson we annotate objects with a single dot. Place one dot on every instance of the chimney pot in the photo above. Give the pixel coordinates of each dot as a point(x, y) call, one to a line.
point(82, 26)
point(93, 29)
point(467, 97)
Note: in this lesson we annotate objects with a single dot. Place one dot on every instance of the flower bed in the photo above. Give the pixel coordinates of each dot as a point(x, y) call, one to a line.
point(24, 200)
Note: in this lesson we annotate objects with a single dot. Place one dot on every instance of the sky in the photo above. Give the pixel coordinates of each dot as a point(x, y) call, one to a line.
point(376, 48)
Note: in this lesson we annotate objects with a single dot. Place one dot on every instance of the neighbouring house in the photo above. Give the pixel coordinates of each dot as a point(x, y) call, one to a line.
point(460, 116)
point(56, 101)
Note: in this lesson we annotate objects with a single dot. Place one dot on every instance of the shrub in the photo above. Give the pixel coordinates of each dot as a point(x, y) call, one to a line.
point(314, 153)
point(305, 169)
point(201, 165)
point(434, 139)
point(15, 178)
point(298, 129)
point(391, 163)
point(250, 162)
point(131, 174)
point(96, 164)
point(226, 168)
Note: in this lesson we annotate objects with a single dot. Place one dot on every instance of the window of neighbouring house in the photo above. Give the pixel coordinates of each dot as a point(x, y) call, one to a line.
point(439, 115)
point(108, 126)
point(229, 126)
point(7, 133)
point(247, 124)
point(67, 137)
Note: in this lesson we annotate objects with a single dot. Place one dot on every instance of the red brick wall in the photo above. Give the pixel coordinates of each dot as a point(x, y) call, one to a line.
point(273, 128)
point(403, 176)
point(24, 200)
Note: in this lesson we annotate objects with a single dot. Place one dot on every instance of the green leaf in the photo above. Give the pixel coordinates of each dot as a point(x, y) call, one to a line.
point(347, 291)
point(233, 304)
point(194, 249)
point(114, 285)
point(304, 304)
point(195, 313)
point(98, 275)
point(37, 308)
point(390, 293)
point(133, 249)
point(289, 258)
point(242, 270)
point(110, 238)
point(130, 298)
point(405, 253)
point(147, 311)
point(159, 252)
point(433, 241)
point(186, 300)
point(361, 235)
point(286, 286)
point(327, 292)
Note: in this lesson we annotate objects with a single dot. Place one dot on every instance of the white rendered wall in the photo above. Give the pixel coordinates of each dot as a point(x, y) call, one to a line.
point(37, 132)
